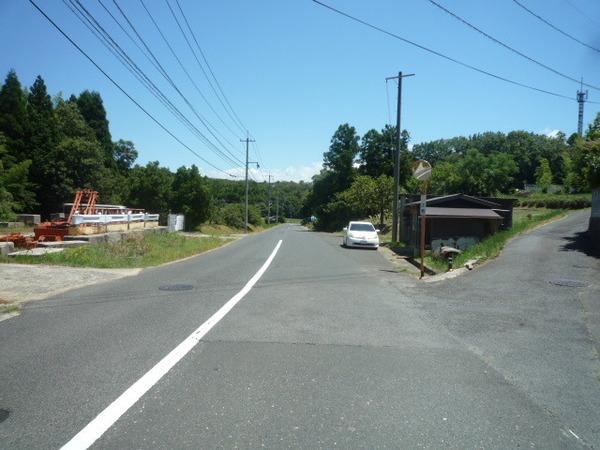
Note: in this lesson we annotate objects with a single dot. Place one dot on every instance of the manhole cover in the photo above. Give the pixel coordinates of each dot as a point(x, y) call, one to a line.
point(3, 415)
point(176, 287)
point(568, 283)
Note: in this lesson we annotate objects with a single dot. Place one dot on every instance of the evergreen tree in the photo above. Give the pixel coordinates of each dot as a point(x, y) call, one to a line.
point(13, 116)
point(92, 109)
point(339, 160)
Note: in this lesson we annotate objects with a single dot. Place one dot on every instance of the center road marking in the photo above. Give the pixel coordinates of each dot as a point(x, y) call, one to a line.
point(103, 421)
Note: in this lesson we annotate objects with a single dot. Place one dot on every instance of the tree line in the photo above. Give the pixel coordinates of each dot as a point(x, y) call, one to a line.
point(50, 147)
point(356, 180)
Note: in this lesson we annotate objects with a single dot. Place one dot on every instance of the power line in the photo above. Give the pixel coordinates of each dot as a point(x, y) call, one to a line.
point(201, 66)
point(583, 13)
point(554, 27)
point(441, 55)
point(154, 119)
point(208, 66)
point(143, 51)
point(508, 47)
point(92, 24)
point(172, 83)
point(187, 72)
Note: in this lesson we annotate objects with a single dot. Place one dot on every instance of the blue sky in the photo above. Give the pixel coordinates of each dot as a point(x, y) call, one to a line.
point(294, 71)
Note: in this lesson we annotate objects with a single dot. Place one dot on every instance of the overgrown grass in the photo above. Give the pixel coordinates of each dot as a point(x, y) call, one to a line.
point(10, 308)
point(523, 220)
point(553, 201)
point(220, 230)
point(146, 250)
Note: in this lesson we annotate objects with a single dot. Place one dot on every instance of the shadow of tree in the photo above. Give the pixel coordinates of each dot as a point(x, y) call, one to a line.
point(581, 242)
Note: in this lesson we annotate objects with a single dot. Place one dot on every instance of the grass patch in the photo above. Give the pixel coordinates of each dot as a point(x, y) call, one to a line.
point(147, 250)
point(523, 219)
point(553, 201)
point(10, 308)
point(220, 230)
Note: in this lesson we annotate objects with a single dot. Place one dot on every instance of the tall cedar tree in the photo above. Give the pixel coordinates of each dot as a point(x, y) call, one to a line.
point(42, 141)
point(92, 109)
point(339, 160)
point(13, 117)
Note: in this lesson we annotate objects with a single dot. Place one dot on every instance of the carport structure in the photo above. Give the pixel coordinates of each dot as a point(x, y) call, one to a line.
point(457, 220)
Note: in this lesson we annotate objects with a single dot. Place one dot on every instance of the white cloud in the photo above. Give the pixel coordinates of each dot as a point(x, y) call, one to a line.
point(290, 173)
point(550, 132)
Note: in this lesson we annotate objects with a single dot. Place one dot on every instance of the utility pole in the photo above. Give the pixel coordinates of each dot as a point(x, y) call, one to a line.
point(581, 99)
point(269, 203)
point(247, 141)
point(397, 155)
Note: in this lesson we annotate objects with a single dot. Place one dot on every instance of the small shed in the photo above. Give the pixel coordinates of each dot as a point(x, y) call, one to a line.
point(456, 220)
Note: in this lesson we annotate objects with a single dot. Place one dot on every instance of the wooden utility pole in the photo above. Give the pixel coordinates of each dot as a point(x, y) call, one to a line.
point(247, 141)
point(397, 155)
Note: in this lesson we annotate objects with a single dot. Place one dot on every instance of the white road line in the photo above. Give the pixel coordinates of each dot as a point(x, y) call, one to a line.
point(97, 427)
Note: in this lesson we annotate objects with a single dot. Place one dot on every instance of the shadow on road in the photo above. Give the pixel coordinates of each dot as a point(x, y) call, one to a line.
point(580, 242)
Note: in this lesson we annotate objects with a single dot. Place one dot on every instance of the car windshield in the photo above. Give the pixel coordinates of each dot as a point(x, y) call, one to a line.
point(362, 227)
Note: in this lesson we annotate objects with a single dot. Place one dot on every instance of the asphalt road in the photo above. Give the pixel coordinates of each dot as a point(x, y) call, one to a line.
point(330, 348)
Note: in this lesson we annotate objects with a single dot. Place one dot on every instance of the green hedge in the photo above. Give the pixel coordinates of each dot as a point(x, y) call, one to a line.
point(555, 203)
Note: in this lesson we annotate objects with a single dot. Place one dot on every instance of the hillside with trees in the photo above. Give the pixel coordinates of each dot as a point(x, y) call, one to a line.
point(356, 177)
point(50, 147)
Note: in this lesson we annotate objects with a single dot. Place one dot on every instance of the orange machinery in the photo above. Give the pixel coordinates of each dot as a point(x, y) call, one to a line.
point(55, 230)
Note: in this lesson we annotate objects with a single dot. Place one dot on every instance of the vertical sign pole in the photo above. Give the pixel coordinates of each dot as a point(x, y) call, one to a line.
point(423, 213)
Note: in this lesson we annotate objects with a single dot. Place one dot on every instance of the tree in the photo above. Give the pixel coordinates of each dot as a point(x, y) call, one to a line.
point(376, 155)
point(125, 155)
point(543, 175)
point(341, 155)
point(150, 187)
point(13, 116)
point(474, 174)
point(584, 166)
point(92, 109)
point(190, 196)
point(42, 142)
point(370, 196)
point(593, 131)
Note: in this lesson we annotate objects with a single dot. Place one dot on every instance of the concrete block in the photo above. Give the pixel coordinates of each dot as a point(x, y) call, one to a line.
point(11, 224)
point(90, 238)
point(6, 248)
point(29, 219)
point(62, 244)
point(36, 252)
point(114, 238)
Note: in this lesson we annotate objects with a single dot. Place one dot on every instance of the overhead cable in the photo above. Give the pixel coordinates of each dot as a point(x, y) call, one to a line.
point(441, 55)
point(554, 27)
point(118, 86)
point(163, 72)
point(508, 47)
point(105, 38)
point(237, 118)
point(166, 41)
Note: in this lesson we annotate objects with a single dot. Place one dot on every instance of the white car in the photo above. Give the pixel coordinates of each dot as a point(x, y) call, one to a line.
point(360, 234)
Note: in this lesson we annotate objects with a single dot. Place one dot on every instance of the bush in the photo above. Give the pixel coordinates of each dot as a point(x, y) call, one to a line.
point(233, 215)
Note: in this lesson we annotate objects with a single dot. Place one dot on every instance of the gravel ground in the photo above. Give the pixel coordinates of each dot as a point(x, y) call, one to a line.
point(20, 283)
